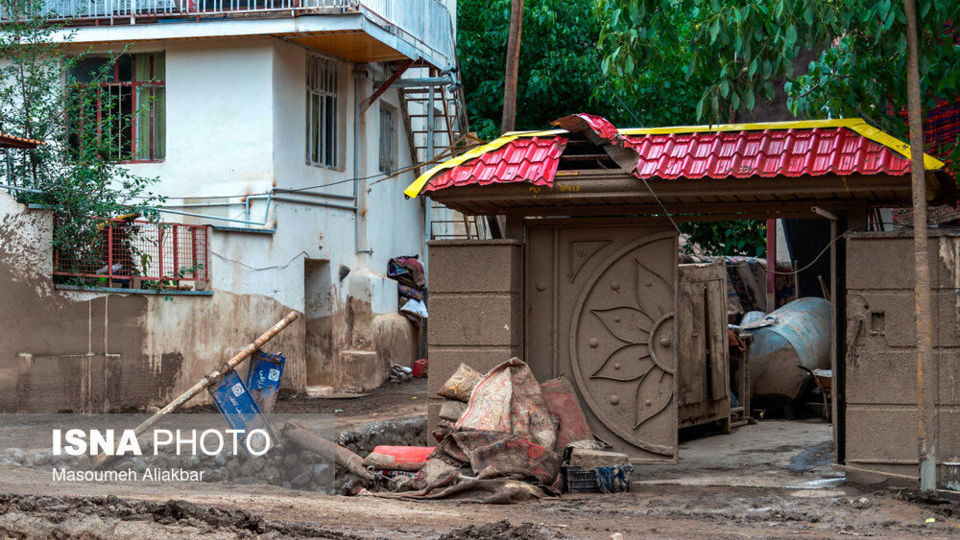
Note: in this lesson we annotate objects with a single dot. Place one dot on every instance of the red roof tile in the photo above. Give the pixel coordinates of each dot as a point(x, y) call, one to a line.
point(766, 153)
point(599, 125)
point(533, 159)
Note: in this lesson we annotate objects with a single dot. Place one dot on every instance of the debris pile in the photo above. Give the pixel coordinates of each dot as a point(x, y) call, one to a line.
point(503, 438)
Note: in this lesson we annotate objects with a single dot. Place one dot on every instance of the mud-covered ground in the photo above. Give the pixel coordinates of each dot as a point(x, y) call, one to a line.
point(769, 480)
point(666, 511)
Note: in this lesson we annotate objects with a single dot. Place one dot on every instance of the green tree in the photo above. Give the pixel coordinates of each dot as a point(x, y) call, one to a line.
point(744, 47)
point(77, 171)
point(563, 71)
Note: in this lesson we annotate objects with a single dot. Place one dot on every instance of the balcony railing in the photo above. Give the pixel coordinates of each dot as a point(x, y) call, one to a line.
point(426, 21)
point(140, 255)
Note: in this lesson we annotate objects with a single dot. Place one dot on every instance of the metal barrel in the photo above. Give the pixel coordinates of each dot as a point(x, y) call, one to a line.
point(800, 334)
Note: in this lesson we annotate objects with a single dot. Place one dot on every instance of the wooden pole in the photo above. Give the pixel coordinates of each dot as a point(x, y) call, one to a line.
point(926, 369)
point(513, 66)
point(211, 378)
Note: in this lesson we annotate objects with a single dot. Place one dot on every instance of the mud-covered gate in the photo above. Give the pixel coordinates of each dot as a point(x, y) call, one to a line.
point(599, 309)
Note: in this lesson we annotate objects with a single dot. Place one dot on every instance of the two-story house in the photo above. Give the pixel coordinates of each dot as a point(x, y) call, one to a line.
point(281, 132)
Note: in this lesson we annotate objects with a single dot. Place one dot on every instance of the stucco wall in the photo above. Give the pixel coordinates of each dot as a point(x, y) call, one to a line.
point(880, 364)
point(144, 349)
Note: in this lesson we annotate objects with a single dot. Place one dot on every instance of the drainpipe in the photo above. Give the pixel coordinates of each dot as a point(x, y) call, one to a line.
point(359, 192)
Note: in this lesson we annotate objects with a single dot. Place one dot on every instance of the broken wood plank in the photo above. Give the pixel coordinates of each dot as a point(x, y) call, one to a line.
point(209, 379)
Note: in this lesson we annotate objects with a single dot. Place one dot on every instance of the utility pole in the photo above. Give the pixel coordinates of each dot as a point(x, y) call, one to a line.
point(513, 66)
point(926, 370)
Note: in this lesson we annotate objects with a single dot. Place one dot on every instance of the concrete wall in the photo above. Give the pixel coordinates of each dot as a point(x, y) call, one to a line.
point(469, 302)
point(235, 126)
point(881, 369)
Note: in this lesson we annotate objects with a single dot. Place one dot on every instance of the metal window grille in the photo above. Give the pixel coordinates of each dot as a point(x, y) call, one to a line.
point(388, 140)
point(140, 255)
point(323, 81)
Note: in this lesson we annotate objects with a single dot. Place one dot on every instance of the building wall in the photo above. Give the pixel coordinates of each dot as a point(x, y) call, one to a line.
point(235, 126)
point(880, 364)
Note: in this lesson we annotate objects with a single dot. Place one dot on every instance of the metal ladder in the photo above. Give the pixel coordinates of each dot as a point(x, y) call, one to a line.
point(447, 135)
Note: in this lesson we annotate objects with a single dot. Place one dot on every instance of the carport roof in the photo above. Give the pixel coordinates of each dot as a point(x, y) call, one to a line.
point(821, 160)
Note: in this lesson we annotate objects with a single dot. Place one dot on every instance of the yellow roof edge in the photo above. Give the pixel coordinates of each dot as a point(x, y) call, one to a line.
point(858, 125)
point(417, 185)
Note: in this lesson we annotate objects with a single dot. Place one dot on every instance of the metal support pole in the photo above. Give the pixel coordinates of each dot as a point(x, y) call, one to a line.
point(427, 203)
point(926, 368)
point(771, 265)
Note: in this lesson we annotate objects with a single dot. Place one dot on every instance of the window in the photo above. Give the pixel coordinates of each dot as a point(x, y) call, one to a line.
point(323, 81)
point(388, 140)
point(133, 93)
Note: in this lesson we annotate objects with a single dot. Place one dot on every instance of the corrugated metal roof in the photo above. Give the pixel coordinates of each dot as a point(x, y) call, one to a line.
point(533, 160)
point(600, 126)
point(742, 154)
point(794, 149)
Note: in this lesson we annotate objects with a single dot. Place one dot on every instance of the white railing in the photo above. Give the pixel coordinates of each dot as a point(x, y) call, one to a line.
point(426, 22)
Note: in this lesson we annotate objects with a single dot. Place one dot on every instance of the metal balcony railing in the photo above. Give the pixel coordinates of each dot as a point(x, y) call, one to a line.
point(427, 22)
point(140, 255)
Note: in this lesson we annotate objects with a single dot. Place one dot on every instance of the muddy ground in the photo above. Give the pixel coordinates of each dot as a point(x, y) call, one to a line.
point(769, 480)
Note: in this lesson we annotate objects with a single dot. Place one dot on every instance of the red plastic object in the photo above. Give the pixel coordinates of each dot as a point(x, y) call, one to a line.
point(407, 455)
point(420, 368)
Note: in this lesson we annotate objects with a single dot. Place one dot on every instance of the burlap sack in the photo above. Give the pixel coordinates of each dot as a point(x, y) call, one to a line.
point(461, 383)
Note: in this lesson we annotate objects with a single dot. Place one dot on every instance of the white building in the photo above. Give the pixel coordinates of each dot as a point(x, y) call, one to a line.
point(275, 122)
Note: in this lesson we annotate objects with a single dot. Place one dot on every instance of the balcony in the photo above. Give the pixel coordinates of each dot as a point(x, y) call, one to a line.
point(357, 30)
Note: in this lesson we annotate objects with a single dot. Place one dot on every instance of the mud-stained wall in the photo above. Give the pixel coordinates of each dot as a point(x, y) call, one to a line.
point(881, 368)
point(87, 351)
point(476, 310)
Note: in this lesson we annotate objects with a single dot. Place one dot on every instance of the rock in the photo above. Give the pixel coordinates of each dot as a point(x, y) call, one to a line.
point(15, 454)
point(41, 458)
point(138, 464)
point(219, 460)
point(302, 479)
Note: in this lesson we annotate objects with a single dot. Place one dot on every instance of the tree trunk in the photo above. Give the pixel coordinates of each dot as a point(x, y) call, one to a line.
point(926, 369)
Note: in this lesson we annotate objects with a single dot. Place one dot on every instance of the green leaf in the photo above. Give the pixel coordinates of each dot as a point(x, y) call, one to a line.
point(714, 30)
point(791, 35)
point(753, 68)
point(724, 88)
point(750, 99)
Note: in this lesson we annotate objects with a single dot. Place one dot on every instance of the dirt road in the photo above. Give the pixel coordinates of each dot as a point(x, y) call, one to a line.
point(767, 480)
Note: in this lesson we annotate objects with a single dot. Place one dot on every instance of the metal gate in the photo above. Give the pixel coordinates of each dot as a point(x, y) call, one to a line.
point(600, 302)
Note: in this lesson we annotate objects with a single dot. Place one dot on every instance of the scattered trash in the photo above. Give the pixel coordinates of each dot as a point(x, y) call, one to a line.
point(414, 307)
point(263, 378)
point(343, 457)
point(589, 470)
point(335, 411)
point(451, 410)
point(420, 367)
point(398, 458)
point(399, 374)
point(210, 379)
point(931, 520)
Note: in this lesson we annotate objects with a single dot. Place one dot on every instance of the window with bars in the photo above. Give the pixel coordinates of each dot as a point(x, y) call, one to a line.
point(323, 80)
point(133, 97)
point(388, 140)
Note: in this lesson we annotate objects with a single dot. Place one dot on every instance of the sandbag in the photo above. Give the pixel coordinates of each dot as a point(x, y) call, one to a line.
point(461, 383)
